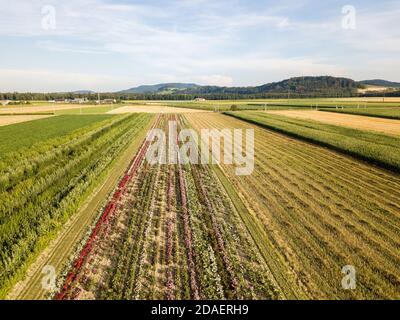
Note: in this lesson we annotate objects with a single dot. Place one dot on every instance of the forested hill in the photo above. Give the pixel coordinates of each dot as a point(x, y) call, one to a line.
point(324, 85)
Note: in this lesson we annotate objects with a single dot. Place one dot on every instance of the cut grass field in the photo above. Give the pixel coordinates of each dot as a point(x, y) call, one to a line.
point(318, 211)
point(386, 126)
point(388, 113)
point(379, 149)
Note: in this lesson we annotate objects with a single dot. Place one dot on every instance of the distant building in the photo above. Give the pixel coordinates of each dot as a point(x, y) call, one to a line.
point(108, 101)
point(79, 100)
point(200, 99)
point(4, 102)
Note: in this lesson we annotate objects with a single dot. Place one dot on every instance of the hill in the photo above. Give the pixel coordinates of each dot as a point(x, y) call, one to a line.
point(325, 85)
point(381, 83)
point(162, 88)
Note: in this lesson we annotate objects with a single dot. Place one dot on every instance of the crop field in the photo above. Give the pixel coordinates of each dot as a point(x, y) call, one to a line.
point(376, 148)
point(26, 135)
point(87, 110)
point(78, 193)
point(46, 107)
point(317, 211)
point(169, 232)
point(284, 104)
point(388, 113)
point(42, 186)
point(387, 126)
point(151, 108)
point(6, 120)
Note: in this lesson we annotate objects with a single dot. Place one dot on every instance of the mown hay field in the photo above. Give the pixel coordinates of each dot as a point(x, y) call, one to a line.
point(374, 147)
point(388, 113)
point(319, 211)
point(387, 126)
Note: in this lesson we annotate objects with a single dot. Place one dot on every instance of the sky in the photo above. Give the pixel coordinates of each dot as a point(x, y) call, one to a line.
point(111, 45)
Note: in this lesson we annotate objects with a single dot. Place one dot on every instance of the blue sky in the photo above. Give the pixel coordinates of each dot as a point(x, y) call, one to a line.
point(108, 45)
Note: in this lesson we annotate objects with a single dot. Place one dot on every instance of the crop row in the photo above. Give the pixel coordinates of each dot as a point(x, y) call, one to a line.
point(386, 113)
point(176, 235)
point(333, 211)
point(36, 206)
point(376, 148)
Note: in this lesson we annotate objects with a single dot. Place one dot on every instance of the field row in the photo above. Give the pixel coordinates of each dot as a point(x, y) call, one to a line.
point(42, 187)
point(376, 148)
point(388, 113)
point(355, 121)
point(174, 234)
point(318, 211)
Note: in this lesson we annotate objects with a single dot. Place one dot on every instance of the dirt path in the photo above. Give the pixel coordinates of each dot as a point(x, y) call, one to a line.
point(60, 249)
point(153, 108)
point(6, 120)
point(388, 126)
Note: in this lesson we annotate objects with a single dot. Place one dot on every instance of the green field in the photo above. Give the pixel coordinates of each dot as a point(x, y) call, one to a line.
point(376, 148)
point(388, 113)
point(43, 186)
point(26, 134)
point(277, 104)
point(88, 110)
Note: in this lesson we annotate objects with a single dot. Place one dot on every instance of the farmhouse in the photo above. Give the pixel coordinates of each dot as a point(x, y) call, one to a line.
point(108, 101)
point(79, 100)
point(200, 99)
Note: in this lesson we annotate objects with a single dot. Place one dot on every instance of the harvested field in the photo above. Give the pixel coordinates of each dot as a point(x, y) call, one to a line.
point(388, 112)
point(153, 108)
point(43, 108)
point(387, 126)
point(319, 211)
point(6, 120)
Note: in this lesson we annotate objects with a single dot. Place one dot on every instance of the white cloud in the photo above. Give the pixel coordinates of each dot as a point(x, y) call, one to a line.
point(212, 42)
